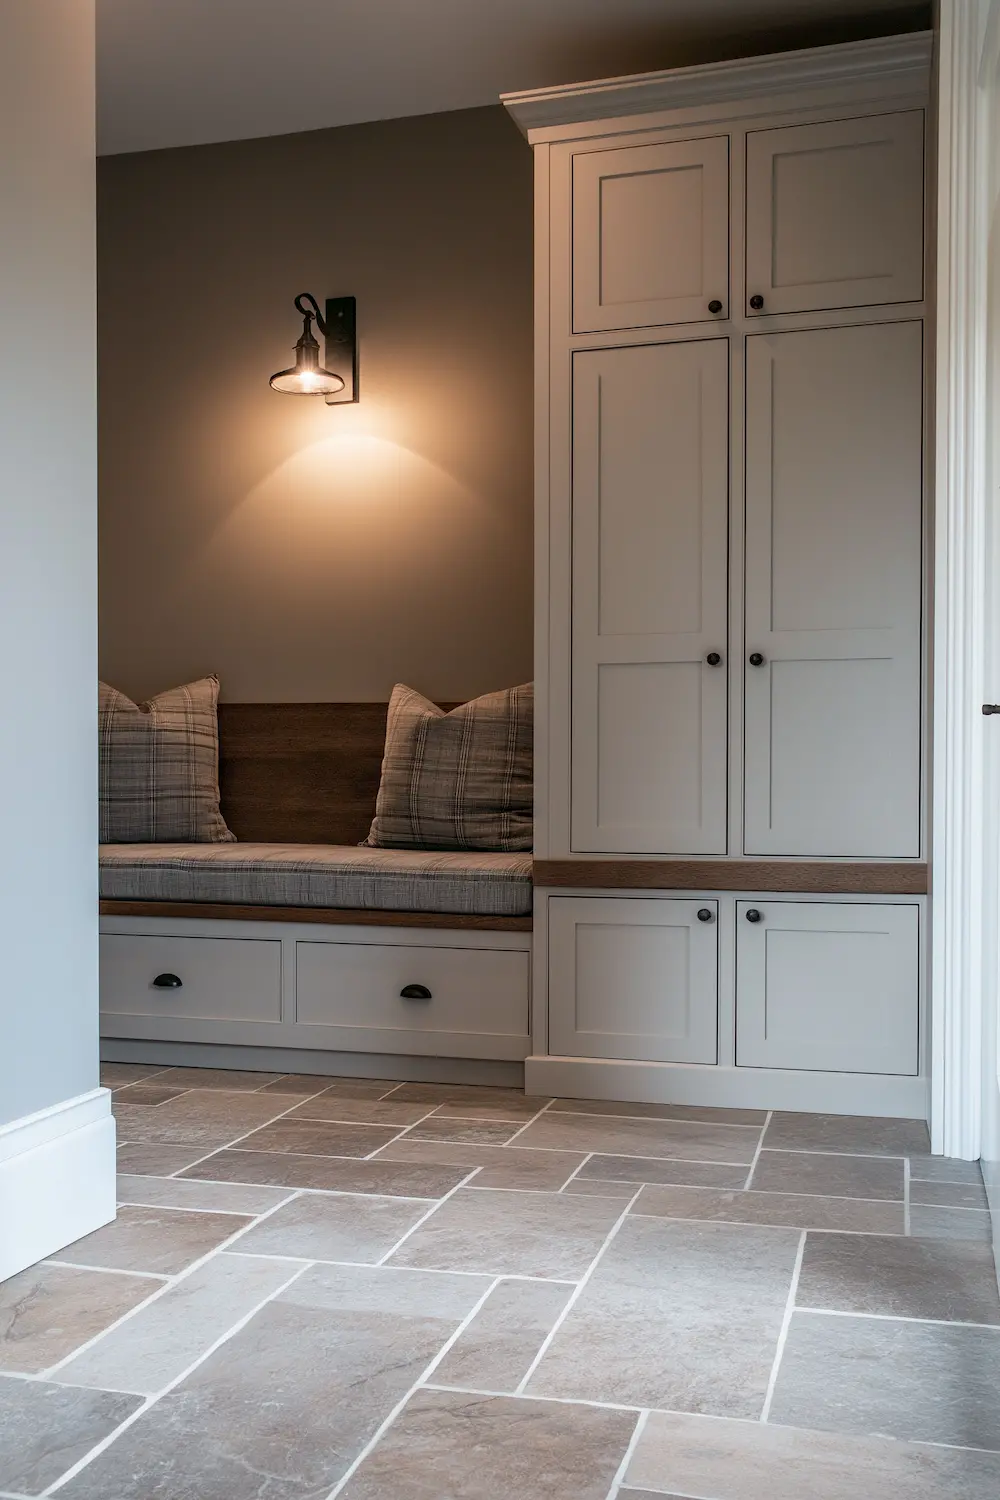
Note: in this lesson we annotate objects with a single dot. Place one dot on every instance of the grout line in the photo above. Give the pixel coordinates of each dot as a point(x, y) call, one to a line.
point(906, 1195)
point(763, 1224)
point(547, 1341)
point(152, 1400)
point(756, 1155)
point(785, 1325)
point(837, 1312)
point(184, 1208)
point(166, 1285)
point(229, 1144)
point(607, 1114)
point(372, 1265)
point(471, 1390)
point(953, 1208)
point(623, 1467)
point(424, 1217)
point(146, 1078)
point(812, 1151)
point(578, 1169)
point(429, 1369)
point(77, 1265)
point(402, 1132)
point(536, 1116)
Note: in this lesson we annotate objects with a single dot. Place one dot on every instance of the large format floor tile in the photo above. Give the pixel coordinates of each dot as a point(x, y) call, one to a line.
point(120, 1075)
point(445, 1444)
point(945, 1169)
point(365, 1111)
point(45, 1429)
point(499, 1166)
point(923, 1382)
point(907, 1278)
point(333, 1174)
point(683, 1140)
point(161, 1340)
point(797, 1210)
point(950, 1223)
point(158, 1159)
point(150, 1093)
point(160, 1240)
point(229, 1079)
point(829, 1176)
point(485, 1132)
point(949, 1194)
point(509, 1233)
point(205, 1117)
point(280, 1411)
point(637, 1169)
point(177, 1192)
point(494, 1352)
point(321, 1138)
point(720, 1460)
point(709, 1116)
point(859, 1135)
point(679, 1315)
point(321, 1226)
point(48, 1311)
point(458, 1102)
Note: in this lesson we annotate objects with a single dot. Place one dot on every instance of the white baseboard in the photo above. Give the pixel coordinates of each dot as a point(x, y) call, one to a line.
point(732, 1088)
point(57, 1178)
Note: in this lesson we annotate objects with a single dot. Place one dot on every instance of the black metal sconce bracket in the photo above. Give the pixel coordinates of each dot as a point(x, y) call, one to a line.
point(339, 328)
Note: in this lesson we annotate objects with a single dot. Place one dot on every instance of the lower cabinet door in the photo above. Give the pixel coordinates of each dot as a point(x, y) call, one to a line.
point(634, 978)
point(827, 986)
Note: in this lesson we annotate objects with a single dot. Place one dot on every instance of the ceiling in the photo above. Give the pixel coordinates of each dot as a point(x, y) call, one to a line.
point(184, 72)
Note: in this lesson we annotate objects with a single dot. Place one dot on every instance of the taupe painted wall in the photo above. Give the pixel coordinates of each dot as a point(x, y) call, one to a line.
point(307, 552)
point(48, 574)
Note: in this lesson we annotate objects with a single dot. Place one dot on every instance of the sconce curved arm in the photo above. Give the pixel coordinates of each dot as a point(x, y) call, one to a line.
point(312, 311)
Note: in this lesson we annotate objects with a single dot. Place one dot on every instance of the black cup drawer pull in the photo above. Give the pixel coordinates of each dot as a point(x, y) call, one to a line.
point(167, 982)
point(415, 992)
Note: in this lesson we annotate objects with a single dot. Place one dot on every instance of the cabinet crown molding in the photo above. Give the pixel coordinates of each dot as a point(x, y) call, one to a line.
point(901, 60)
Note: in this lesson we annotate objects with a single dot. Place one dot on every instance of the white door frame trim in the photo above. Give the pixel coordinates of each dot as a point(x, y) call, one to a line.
point(960, 558)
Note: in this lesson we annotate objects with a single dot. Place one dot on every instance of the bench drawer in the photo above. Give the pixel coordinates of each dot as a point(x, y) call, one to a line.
point(222, 979)
point(476, 1006)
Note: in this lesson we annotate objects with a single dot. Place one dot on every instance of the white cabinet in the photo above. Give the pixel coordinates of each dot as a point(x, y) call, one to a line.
point(631, 977)
point(833, 591)
point(827, 986)
point(650, 518)
point(834, 214)
point(651, 234)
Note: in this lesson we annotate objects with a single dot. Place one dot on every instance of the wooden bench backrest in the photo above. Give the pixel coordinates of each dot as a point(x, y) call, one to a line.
point(300, 773)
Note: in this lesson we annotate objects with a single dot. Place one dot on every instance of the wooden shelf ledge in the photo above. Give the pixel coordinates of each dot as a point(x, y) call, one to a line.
point(803, 877)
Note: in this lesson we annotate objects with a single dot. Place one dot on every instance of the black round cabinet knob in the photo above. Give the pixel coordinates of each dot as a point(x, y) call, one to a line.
point(705, 914)
point(753, 915)
point(713, 658)
point(167, 982)
point(757, 302)
point(715, 306)
point(756, 659)
point(415, 992)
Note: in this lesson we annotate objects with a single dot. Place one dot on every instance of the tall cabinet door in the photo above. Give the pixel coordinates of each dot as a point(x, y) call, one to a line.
point(833, 591)
point(650, 511)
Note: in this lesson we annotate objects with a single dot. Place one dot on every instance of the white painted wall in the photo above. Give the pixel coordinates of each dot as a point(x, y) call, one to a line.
point(48, 505)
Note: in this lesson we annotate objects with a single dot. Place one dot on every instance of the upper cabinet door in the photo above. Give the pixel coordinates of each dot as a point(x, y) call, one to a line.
point(833, 591)
point(650, 235)
point(650, 509)
point(835, 214)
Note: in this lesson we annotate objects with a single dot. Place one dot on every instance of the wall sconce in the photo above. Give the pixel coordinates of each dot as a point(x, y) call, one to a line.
point(337, 377)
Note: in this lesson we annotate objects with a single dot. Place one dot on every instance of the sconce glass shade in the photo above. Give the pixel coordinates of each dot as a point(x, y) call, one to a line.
point(307, 376)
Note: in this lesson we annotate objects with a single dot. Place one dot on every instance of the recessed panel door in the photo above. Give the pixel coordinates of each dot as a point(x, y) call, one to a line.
point(650, 507)
point(633, 978)
point(827, 987)
point(833, 592)
point(650, 235)
point(835, 214)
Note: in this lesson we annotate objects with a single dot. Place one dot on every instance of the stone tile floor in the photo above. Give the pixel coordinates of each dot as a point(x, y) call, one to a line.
point(331, 1287)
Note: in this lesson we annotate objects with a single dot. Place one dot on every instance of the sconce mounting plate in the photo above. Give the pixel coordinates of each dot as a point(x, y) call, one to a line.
point(341, 356)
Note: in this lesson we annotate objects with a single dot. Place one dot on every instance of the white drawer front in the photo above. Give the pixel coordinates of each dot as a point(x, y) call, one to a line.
point(224, 979)
point(826, 986)
point(634, 978)
point(473, 994)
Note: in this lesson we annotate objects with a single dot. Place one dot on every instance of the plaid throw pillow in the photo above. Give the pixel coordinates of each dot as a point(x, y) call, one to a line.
point(456, 781)
point(159, 767)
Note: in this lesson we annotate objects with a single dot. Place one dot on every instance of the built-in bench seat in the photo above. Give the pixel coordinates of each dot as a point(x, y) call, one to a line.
point(319, 875)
